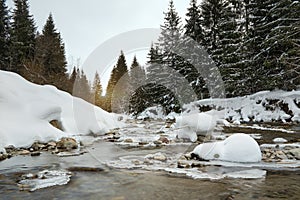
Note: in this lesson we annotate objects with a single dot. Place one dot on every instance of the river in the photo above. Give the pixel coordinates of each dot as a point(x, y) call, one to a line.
point(115, 182)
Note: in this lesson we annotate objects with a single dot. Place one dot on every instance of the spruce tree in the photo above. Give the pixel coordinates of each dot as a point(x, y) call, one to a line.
point(211, 12)
point(281, 44)
point(97, 90)
point(72, 79)
point(169, 60)
point(226, 53)
point(22, 36)
point(193, 26)
point(115, 95)
point(137, 74)
point(4, 36)
point(191, 49)
point(82, 88)
point(50, 53)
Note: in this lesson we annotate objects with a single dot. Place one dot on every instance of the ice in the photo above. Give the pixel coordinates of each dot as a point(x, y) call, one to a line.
point(27, 108)
point(247, 174)
point(236, 148)
point(279, 140)
point(44, 179)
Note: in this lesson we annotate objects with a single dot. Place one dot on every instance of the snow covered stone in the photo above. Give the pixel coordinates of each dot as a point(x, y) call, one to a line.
point(236, 148)
point(199, 123)
point(279, 140)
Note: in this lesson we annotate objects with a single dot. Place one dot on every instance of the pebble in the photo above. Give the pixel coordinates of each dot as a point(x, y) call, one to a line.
point(295, 153)
point(3, 156)
point(24, 152)
point(159, 157)
point(164, 140)
point(67, 143)
point(37, 153)
point(128, 140)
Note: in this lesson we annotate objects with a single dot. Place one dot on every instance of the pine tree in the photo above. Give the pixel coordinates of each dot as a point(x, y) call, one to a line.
point(50, 54)
point(226, 53)
point(117, 87)
point(72, 79)
point(282, 43)
point(97, 91)
point(82, 88)
point(137, 74)
point(193, 26)
point(169, 60)
point(191, 49)
point(22, 36)
point(211, 12)
point(4, 36)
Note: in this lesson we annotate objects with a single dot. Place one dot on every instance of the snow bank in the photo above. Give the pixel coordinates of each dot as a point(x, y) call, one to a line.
point(263, 106)
point(236, 148)
point(26, 110)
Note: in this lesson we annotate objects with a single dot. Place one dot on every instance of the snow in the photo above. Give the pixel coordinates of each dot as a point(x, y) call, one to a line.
point(256, 107)
point(236, 148)
point(200, 123)
point(27, 109)
point(243, 174)
point(279, 140)
point(44, 179)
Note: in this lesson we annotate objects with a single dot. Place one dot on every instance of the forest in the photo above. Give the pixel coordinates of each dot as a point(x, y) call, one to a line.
point(254, 46)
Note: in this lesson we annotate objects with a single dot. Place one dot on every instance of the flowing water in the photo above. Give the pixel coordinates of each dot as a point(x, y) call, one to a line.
point(113, 183)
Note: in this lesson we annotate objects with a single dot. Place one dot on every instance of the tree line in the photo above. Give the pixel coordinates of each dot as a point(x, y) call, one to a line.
point(38, 57)
point(254, 44)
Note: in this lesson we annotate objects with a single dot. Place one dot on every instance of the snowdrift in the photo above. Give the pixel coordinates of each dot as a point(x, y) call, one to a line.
point(263, 106)
point(26, 110)
point(236, 148)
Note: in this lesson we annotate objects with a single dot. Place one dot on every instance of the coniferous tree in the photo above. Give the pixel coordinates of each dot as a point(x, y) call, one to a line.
point(22, 37)
point(50, 54)
point(137, 74)
point(97, 91)
point(193, 26)
point(4, 36)
point(118, 87)
point(211, 12)
point(226, 53)
point(82, 88)
point(192, 51)
point(169, 62)
point(72, 79)
point(281, 42)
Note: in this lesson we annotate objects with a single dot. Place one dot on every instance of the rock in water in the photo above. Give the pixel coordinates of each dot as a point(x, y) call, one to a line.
point(67, 143)
point(200, 123)
point(236, 148)
point(279, 140)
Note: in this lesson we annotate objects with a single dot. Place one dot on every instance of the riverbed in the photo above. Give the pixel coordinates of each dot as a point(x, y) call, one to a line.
point(116, 169)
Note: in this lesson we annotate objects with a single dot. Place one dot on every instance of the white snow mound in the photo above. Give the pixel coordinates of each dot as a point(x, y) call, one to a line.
point(26, 110)
point(236, 148)
point(199, 123)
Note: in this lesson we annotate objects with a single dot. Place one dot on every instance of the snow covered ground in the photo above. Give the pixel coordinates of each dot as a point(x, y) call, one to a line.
point(263, 106)
point(26, 110)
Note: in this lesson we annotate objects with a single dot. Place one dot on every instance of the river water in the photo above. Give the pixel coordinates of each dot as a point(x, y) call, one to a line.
point(117, 183)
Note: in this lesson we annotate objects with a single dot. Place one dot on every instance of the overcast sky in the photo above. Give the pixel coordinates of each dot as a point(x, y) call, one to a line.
point(86, 24)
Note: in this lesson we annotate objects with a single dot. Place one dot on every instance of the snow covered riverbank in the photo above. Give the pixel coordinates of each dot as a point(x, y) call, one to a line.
point(26, 110)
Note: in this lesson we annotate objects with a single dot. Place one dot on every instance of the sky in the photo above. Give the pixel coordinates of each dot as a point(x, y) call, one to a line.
point(86, 24)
